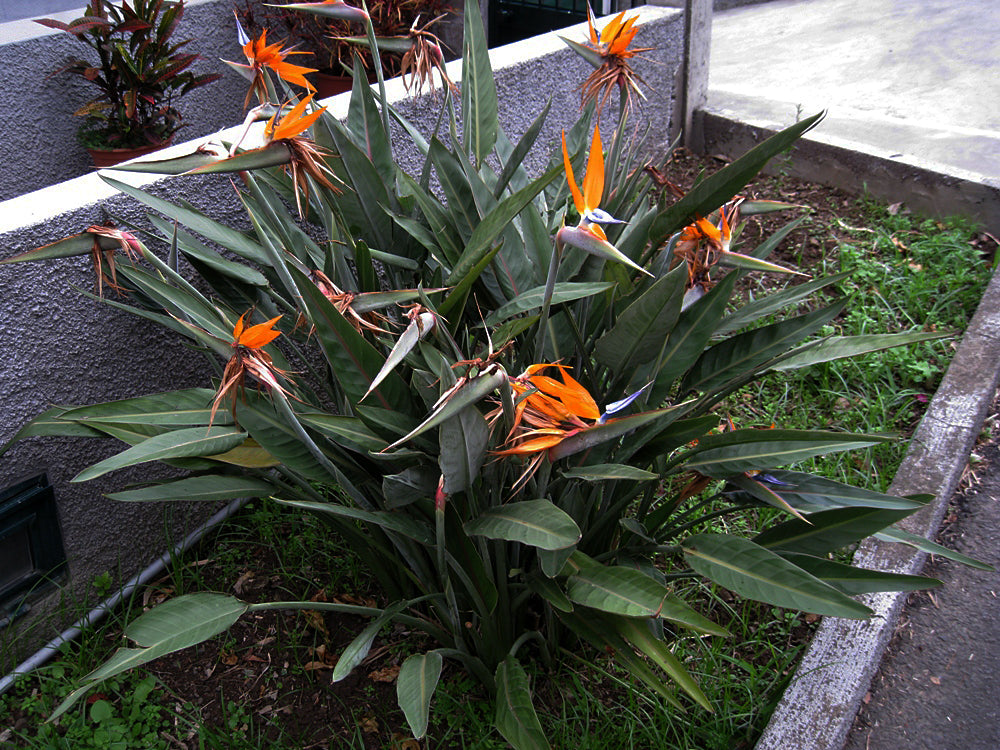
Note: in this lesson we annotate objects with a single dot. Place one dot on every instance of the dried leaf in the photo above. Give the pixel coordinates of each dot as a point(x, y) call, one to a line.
point(936, 680)
point(386, 674)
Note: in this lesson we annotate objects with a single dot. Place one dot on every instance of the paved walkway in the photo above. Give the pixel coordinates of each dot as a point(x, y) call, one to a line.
point(939, 683)
point(911, 78)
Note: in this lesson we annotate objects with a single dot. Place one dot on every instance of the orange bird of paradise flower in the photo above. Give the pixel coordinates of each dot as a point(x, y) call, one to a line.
point(249, 358)
point(548, 411)
point(613, 68)
point(306, 156)
point(587, 199)
point(262, 55)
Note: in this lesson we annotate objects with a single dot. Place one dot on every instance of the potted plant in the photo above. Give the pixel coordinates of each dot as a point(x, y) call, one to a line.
point(140, 74)
point(333, 41)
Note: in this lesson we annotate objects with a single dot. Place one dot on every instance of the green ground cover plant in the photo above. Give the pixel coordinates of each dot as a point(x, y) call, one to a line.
point(507, 395)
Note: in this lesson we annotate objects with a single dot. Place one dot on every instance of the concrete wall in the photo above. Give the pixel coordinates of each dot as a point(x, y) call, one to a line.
point(38, 145)
point(58, 347)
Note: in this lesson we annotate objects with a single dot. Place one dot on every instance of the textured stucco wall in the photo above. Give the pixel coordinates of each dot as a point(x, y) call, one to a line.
point(38, 145)
point(58, 347)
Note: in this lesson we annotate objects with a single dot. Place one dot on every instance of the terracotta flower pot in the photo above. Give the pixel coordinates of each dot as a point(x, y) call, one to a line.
point(108, 157)
point(328, 84)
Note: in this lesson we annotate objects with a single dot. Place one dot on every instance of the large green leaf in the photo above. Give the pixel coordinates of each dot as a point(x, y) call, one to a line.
point(51, 424)
point(173, 408)
point(532, 299)
point(638, 634)
point(196, 222)
point(354, 361)
point(396, 522)
point(415, 685)
point(463, 440)
point(191, 247)
point(537, 523)
point(829, 530)
point(610, 430)
point(855, 581)
point(480, 110)
point(740, 354)
point(210, 487)
point(175, 624)
point(358, 649)
point(515, 716)
point(720, 187)
point(772, 303)
point(688, 338)
point(603, 472)
point(808, 493)
point(735, 452)
point(758, 573)
point(894, 534)
point(839, 347)
point(193, 441)
point(638, 334)
point(631, 593)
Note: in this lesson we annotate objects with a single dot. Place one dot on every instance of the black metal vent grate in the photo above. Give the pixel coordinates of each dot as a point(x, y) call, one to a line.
point(31, 548)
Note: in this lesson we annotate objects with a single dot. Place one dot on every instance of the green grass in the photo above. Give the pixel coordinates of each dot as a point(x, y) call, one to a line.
point(907, 274)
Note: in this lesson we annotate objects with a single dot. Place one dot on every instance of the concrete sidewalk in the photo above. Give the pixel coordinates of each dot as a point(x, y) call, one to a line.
point(939, 682)
point(912, 85)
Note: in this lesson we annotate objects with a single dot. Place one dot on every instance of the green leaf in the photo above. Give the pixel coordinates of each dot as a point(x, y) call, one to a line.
point(758, 573)
point(462, 440)
point(829, 530)
point(415, 685)
point(610, 430)
point(894, 534)
point(175, 624)
point(853, 581)
point(467, 395)
point(196, 222)
point(390, 521)
point(358, 649)
point(839, 347)
point(480, 110)
point(638, 334)
point(532, 299)
point(638, 634)
point(734, 452)
point(688, 338)
point(50, 424)
point(515, 716)
point(354, 361)
point(808, 493)
point(549, 590)
point(194, 441)
point(211, 487)
point(617, 589)
point(718, 188)
point(537, 523)
point(631, 593)
point(740, 354)
point(772, 303)
point(199, 252)
point(173, 408)
point(602, 472)
point(77, 244)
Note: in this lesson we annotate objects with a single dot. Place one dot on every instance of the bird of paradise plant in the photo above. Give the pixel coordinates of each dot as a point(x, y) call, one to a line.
point(413, 446)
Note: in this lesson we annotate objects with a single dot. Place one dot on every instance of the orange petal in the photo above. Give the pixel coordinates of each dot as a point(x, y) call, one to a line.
point(259, 335)
point(578, 199)
point(578, 399)
point(593, 181)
